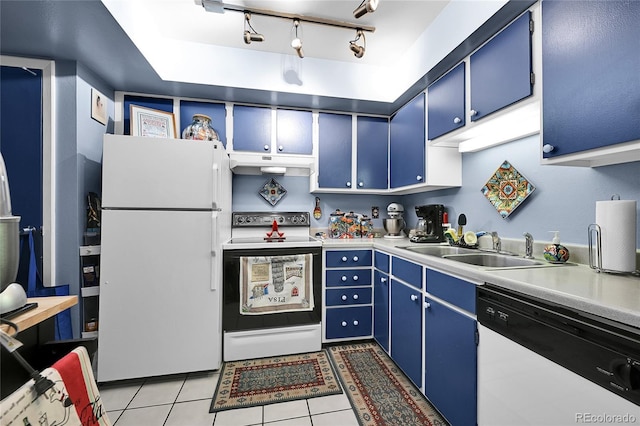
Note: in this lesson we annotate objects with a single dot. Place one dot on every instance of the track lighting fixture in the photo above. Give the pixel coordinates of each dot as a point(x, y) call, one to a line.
point(358, 51)
point(252, 35)
point(296, 43)
point(367, 6)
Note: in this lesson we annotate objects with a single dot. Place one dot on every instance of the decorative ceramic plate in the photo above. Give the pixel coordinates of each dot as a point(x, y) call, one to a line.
point(507, 189)
point(272, 191)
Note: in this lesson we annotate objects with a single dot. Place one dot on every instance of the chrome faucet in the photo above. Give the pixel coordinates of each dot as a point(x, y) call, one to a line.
point(497, 244)
point(528, 246)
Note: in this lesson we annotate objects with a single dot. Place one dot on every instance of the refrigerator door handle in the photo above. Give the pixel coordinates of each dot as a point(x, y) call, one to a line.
point(215, 261)
point(215, 185)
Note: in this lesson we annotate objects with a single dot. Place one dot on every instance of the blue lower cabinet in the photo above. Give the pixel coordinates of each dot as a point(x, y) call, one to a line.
point(353, 321)
point(406, 330)
point(345, 277)
point(348, 296)
point(450, 362)
point(381, 309)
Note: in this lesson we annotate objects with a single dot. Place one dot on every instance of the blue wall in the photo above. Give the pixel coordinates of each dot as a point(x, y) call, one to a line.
point(564, 198)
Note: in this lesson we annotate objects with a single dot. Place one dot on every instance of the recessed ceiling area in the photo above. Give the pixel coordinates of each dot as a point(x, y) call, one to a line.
point(175, 47)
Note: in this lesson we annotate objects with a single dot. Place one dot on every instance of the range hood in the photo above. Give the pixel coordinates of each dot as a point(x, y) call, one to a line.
point(248, 163)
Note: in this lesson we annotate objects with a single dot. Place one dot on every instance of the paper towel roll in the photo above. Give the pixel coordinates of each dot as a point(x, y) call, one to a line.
point(617, 221)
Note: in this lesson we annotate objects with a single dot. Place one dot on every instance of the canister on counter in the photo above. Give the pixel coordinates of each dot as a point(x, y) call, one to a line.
point(366, 227)
point(337, 225)
point(353, 225)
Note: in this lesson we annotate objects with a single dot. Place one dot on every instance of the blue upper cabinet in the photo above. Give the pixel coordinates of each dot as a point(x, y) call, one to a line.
point(591, 66)
point(373, 142)
point(334, 150)
point(501, 70)
point(251, 128)
point(407, 144)
point(446, 106)
point(294, 130)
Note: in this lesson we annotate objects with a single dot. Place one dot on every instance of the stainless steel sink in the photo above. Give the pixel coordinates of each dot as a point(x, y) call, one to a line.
point(439, 251)
point(489, 260)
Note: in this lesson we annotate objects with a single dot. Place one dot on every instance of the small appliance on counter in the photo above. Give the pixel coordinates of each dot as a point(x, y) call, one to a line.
point(395, 223)
point(430, 224)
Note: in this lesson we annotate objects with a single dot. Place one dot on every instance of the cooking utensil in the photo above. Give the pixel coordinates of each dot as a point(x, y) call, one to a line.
point(317, 211)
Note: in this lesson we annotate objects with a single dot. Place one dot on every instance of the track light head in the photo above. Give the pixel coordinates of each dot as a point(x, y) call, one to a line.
point(296, 43)
point(367, 6)
point(214, 6)
point(358, 51)
point(252, 35)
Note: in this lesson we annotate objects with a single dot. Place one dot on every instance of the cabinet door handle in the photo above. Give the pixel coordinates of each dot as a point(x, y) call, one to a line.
point(356, 258)
point(344, 258)
point(344, 278)
point(344, 297)
point(344, 323)
point(546, 148)
point(356, 322)
point(414, 297)
point(355, 278)
point(280, 148)
point(360, 184)
point(418, 178)
point(266, 147)
point(457, 120)
point(427, 305)
point(355, 297)
point(383, 280)
point(348, 184)
point(473, 112)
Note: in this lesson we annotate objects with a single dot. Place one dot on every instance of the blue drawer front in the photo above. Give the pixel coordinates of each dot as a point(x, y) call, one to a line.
point(381, 261)
point(348, 322)
point(344, 277)
point(409, 272)
point(348, 296)
point(344, 258)
point(454, 290)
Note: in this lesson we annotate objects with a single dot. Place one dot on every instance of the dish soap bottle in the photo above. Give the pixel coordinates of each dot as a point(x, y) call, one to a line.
point(556, 252)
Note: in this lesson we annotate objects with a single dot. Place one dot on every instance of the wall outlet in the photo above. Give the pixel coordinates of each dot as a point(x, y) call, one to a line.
point(375, 212)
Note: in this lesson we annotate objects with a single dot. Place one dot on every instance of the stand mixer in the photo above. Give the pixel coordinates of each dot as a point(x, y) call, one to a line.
point(395, 223)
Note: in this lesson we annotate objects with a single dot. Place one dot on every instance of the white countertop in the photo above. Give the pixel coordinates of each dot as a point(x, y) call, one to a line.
point(611, 296)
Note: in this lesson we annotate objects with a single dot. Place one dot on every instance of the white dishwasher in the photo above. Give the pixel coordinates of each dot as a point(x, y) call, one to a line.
point(543, 364)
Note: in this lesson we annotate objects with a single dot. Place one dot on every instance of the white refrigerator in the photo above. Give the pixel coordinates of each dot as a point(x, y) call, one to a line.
point(165, 214)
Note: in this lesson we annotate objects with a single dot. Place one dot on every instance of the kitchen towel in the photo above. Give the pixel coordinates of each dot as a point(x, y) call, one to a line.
point(617, 222)
point(274, 284)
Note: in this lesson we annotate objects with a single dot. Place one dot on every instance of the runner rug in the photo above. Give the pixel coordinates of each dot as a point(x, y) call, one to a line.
point(277, 379)
point(379, 392)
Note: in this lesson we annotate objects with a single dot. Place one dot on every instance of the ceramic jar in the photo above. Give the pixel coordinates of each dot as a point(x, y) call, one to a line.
point(366, 227)
point(337, 225)
point(353, 225)
point(200, 129)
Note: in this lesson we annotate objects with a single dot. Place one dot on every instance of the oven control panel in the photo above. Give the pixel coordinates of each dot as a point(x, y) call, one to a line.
point(262, 219)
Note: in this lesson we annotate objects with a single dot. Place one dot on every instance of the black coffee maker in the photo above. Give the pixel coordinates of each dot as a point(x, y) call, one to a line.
point(429, 228)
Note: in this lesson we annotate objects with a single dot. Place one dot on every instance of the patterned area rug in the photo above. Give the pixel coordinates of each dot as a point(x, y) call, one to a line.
point(379, 392)
point(277, 379)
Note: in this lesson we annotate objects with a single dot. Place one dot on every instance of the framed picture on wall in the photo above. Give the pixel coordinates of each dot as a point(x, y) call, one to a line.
point(98, 107)
point(152, 122)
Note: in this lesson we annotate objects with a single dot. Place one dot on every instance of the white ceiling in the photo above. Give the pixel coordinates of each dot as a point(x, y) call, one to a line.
point(398, 24)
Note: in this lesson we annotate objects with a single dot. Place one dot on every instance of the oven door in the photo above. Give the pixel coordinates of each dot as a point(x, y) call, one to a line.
point(234, 321)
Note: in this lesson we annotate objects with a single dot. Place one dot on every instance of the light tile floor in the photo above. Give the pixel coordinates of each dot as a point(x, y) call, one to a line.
point(185, 399)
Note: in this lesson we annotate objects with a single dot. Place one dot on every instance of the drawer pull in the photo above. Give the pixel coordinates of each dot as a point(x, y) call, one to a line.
point(344, 258)
point(355, 297)
point(355, 258)
point(355, 322)
point(344, 323)
point(344, 297)
point(355, 278)
point(344, 278)
point(383, 280)
point(414, 297)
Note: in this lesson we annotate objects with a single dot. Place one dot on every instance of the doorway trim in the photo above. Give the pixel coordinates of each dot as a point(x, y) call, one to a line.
point(48, 160)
